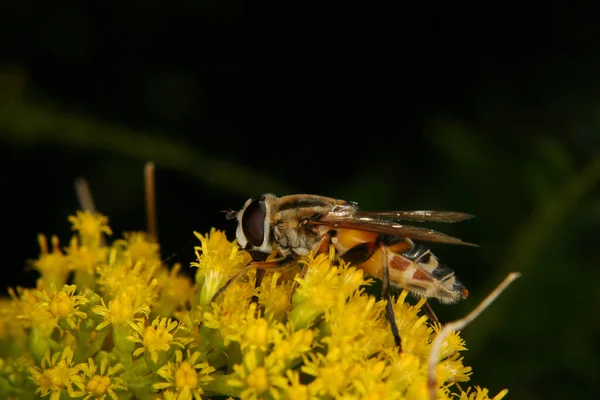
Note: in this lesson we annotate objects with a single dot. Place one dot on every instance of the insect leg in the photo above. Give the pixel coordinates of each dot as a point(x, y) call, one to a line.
point(260, 273)
point(385, 293)
point(280, 263)
point(430, 313)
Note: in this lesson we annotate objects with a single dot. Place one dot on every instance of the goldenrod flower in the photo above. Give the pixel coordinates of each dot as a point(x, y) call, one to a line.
point(274, 296)
point(254, 380)
point(90, 227)
point(13, 337)
point(53, 266)
point(84, 260)
point(94, 383)
point(147, 331)
point(63, 304)
point(481, 394)
point(218, 259)
point(55, 376)
point(175, 291)
point(184, 379)
point(158, 339)
point(121, 313)
point(138, 246)
point(228, 317)
point(324, 286)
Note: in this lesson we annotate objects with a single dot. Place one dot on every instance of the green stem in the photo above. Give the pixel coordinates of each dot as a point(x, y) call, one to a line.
point(26, 123)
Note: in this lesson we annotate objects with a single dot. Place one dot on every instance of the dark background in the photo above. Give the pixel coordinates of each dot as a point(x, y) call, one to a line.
point(488, 109)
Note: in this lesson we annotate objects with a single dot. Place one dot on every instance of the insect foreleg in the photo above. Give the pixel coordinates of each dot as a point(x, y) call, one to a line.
point(385, 293)
point(260, 273)
point(260, 265)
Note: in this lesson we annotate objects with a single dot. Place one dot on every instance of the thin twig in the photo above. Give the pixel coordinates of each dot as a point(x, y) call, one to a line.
point(84, 195)
point(458, 325)
point(86, 200)
point(150, 188)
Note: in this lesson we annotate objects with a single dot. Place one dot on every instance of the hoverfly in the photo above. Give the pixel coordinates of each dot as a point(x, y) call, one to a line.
point(376, 242)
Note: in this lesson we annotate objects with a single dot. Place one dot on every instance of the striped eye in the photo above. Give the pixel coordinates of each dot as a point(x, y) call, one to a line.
point(253, 222)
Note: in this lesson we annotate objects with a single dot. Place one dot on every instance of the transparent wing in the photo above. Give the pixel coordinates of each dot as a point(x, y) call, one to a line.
point(389, 227)
point(419, 216)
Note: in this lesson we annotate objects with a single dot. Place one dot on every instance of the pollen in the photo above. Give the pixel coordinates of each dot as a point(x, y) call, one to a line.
point(158, 338)
point(60, 306)
point(90, 227)
point(98, 385)
point(186, 377)
point(257, 334)
point(121, 309)
point(257, 380)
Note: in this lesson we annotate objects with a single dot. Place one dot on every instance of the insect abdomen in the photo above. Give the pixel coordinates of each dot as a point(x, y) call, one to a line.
point(412, 267)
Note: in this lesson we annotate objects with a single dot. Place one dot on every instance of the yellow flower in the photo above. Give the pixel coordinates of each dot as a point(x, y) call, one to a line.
point(63, 304)
point(140, 247)
point(218, 260)
point(175, 290)
point(184, 379)
point(157, 339)
point(84, 260)
point(288, 347)
point(481, 394)
point(275, 296)
point(97, 384)
point(356, 330)
point(324, 286)
point(255, 380)
point(296, 390)
point(116, 279)
point(120, 311)
point(90, 227)
point(228, 317)
point(39, 319)
point(329, 339)
point(55, 375)
point(13, 337)
point(53, 266)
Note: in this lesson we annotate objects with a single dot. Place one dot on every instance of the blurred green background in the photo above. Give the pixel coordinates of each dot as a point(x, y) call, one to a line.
point(395, 107)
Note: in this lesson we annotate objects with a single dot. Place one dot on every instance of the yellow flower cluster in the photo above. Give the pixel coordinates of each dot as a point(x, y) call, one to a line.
point(111, 321)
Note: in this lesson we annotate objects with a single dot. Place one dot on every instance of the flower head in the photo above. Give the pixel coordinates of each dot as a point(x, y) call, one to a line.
point(218, 260)
point(158, 339)
point(254, 380)
point(184, 379)
point(132, 327)
point(55, 376)
point(324, 286)
point(63, 304)
point(98, 383)
point(140, 247)
point(84, 261)
point(90, 227)
point(175, 290)
point(52, 265)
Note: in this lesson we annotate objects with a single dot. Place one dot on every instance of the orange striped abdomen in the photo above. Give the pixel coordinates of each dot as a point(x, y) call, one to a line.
point(412, 267)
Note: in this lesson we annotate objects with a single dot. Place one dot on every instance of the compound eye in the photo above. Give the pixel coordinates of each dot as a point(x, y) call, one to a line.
point(253, 222)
